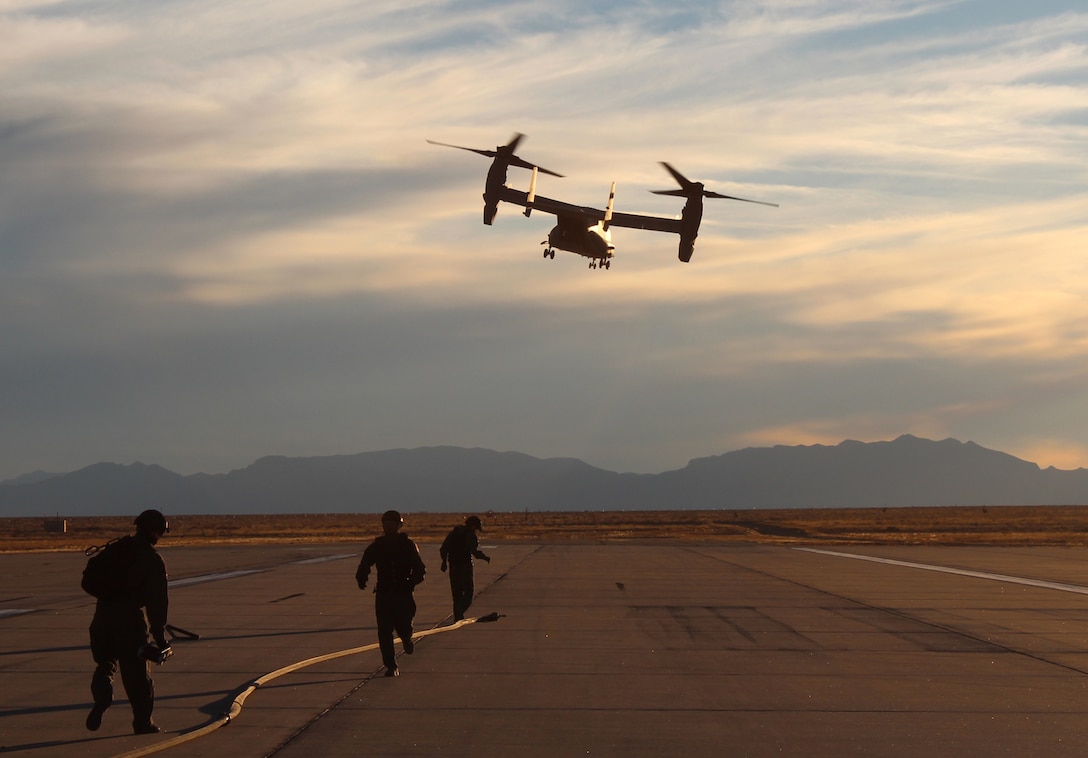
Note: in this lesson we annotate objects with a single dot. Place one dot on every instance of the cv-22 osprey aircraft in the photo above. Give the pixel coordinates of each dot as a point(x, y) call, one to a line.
point(584, 230)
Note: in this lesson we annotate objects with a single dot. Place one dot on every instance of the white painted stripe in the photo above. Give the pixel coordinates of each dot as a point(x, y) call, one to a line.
point(1080, 590)
point(233, 574)
point(325, 558)
point(15, 612)
point(211, 577)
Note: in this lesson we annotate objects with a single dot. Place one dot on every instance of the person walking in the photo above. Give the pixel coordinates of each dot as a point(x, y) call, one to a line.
point(128, 576)
point(400, 569)
point(457, 552)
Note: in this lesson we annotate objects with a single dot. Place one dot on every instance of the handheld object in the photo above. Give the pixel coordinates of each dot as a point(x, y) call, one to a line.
point(155, 654)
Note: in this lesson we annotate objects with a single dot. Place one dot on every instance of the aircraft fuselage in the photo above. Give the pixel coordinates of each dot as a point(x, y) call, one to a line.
point(572, 235)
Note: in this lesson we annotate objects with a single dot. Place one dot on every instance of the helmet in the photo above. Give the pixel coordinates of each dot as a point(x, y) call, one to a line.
point(152, 521)
point(473, 522)
point(393, 516)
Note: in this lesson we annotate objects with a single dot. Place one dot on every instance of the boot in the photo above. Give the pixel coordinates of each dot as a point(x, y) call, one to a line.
point(102, 692)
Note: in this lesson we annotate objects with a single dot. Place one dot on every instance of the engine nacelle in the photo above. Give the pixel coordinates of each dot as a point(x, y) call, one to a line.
point(687, 247)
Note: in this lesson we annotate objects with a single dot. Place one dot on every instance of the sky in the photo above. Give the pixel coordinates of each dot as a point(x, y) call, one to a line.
point(223, 234)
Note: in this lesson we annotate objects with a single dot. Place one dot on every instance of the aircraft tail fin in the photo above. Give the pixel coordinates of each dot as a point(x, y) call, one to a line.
point(531, 197)
point(608, 210)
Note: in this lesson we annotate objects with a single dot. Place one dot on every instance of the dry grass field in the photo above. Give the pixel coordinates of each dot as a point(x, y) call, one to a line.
point(995, 525)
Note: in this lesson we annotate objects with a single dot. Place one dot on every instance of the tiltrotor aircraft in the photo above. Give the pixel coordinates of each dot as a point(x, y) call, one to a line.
point(584, 230)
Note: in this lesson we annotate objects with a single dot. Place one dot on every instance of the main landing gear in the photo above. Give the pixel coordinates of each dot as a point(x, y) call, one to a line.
point(549, 252)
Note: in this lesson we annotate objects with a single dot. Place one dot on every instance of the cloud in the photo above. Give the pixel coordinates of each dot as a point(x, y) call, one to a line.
point(34, 41)
point(222, 233)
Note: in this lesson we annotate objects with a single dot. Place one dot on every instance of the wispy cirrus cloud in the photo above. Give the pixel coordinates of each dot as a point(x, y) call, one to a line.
point(242, 197)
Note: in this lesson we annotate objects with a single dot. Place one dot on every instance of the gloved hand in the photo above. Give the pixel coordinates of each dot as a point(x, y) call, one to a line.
point(487, 558)
point(443, 567)
point(156, 653)
point(362, 585)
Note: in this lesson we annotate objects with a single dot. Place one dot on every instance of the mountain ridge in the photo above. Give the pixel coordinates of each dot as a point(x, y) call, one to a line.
point(906, 471)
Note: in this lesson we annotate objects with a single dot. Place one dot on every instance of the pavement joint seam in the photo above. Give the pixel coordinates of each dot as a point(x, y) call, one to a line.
point(899, 613)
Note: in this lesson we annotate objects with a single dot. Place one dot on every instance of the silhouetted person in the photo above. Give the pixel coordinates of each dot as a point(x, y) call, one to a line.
point(129, 576)
point(458, 550)
point(400, 569)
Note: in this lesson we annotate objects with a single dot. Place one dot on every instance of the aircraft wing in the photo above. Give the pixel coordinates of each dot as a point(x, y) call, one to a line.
point(649, 223)
point(547, 205)
point(569, 210)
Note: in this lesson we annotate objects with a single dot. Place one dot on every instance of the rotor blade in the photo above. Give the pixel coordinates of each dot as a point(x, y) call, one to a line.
point(513, 143)
point(742, 199)
point(689, 185)
point(682, 180)
point(485, 153)
point(522, 163)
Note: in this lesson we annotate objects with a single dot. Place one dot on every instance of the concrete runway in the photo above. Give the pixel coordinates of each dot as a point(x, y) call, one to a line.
point(619, 650)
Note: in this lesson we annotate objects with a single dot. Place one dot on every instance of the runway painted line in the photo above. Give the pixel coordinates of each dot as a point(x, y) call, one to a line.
point(325, 559)
point(15, 612)
point(211, 578)
point(1078, 589)
point(235, 574)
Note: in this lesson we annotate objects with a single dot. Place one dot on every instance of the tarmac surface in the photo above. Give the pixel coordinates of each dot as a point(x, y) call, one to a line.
point(618, 650)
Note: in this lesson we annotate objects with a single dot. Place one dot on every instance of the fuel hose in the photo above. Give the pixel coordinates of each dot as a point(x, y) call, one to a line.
point(248, 689)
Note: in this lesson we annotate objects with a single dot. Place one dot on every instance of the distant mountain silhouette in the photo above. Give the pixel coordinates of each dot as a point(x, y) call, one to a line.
point(905, 472)
point(104, 489)
point(32, 478)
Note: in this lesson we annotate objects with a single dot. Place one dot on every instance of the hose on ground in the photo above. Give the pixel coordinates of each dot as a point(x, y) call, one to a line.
point(240, 699)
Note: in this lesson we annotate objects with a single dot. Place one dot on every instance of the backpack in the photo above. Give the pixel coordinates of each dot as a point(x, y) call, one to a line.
point(107, 571)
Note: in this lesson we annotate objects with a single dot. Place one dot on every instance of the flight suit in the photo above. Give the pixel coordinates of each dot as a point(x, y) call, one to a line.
point(400, 569)
point(119, 629)
point(458, 549)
